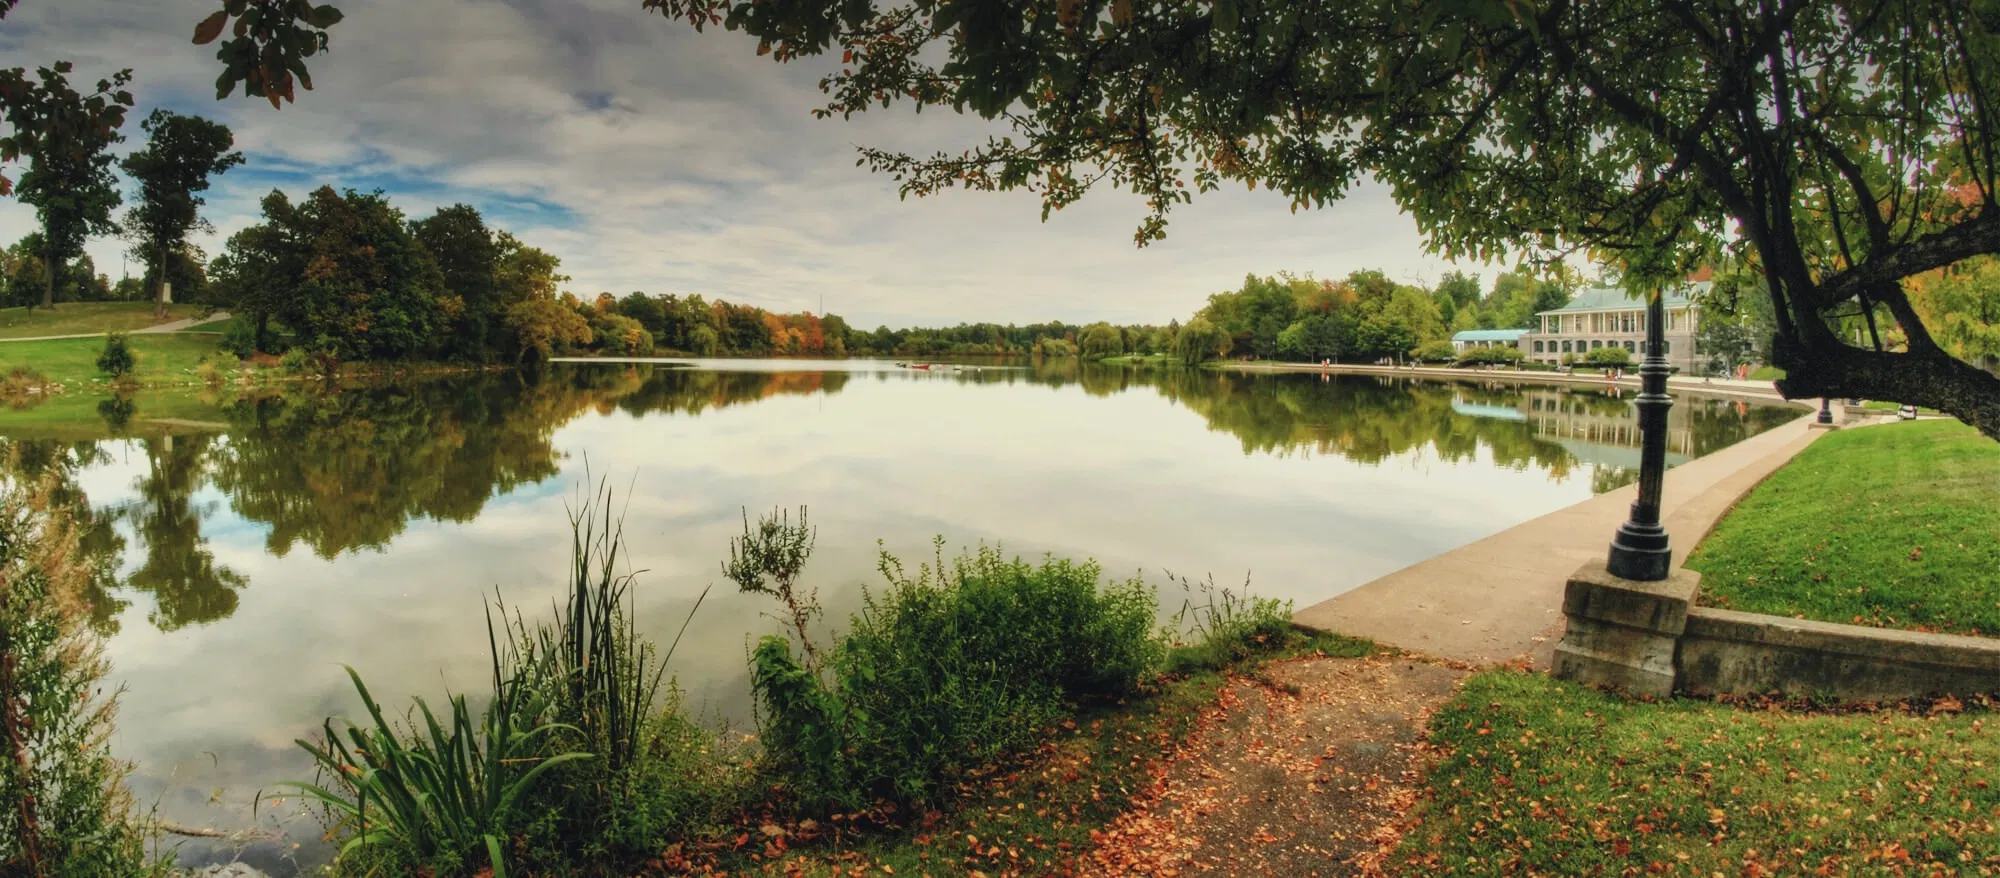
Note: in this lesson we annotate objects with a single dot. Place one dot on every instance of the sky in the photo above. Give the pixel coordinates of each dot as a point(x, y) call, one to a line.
point(649, 157)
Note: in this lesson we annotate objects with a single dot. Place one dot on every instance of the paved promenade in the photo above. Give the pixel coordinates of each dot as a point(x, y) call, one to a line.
point(1500, 598)
point(169, 326)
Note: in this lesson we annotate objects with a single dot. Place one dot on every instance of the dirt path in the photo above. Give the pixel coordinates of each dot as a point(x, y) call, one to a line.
point(1298, 772)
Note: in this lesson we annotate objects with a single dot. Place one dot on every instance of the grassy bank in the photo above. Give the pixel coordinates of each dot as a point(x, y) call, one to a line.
point(1544, 777)
point(1893, 526)
point(164, 358)
point(979, 713)
point(72, 318)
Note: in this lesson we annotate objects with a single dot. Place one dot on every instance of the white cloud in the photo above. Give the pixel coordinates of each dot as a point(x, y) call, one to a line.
point(663, 160)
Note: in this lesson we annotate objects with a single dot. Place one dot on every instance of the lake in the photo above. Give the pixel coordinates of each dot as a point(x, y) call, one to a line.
point(254, 545)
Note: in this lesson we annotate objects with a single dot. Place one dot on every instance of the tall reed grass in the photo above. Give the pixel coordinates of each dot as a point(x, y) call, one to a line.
point(577, 760)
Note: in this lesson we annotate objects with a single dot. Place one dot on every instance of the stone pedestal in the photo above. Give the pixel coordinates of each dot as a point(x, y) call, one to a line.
point(1623, 633)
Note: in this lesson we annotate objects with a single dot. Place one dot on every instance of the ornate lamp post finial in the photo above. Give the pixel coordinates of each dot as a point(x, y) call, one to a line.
point(1640, 550)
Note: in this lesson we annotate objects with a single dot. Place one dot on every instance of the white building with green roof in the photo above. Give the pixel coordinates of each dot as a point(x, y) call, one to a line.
point(1600, 317)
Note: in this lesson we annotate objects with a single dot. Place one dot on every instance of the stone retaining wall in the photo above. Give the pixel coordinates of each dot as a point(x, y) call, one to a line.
point(1649, 638)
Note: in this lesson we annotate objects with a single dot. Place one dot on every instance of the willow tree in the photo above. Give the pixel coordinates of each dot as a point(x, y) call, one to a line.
point(1840, 147)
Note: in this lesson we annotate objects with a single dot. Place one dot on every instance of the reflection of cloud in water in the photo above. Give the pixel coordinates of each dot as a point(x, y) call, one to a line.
point(458, 488)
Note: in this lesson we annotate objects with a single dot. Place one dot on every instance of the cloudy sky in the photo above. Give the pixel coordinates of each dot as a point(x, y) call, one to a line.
point(652, 158)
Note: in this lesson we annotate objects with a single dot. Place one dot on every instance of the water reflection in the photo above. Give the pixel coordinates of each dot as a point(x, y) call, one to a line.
point(341, 469)
point(251, 545)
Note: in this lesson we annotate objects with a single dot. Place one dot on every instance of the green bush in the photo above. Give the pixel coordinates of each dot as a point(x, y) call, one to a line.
point(1439, 351)
point(117, 359)
point(240, 338)
point(948, 670)
point(1492, 356)
point(1609, 356)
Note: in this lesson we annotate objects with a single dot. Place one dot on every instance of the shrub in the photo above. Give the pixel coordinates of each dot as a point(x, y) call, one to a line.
point(207, 371)
point(945, 671)
point(1609, 356)
point(117, 359)
point(240, 338)
point(1492, 356)
point(1439, 351)
point(63, 810)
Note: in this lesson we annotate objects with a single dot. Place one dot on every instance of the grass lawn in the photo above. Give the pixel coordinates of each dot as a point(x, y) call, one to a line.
point(71, 318)
point(1766, 373)
point(163, 358)
point(1895, 525)
point(1545, 777)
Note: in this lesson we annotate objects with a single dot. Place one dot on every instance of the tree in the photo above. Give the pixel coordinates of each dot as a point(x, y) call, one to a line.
point(1439, 351)
point(542, 325)
point(1842, 146)
point(1608, 356)
point(65, 135)
point(468, 260)
point(1101, 340)
point(1724, 340)
point(370, 290)
point(181, 154)
point(255, 274)
point(1200, 341)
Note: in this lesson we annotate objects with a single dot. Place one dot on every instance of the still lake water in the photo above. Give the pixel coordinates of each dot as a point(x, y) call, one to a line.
point(257, 552)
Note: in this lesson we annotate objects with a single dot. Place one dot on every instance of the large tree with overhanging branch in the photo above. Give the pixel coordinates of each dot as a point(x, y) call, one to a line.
point(1839, 147)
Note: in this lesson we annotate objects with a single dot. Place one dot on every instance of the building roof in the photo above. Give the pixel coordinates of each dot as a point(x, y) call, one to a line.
point(1618, 299)
point(1489, 335)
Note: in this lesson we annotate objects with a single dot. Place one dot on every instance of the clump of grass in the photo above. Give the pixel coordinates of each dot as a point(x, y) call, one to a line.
point(1217, 628)
point(582, 758)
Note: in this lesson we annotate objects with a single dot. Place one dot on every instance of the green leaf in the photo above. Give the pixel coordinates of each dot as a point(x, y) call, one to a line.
point(324, 17)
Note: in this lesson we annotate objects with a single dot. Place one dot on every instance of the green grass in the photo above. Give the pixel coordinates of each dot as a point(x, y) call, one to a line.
point(71, 318)
point(1894, 526)
point(165, 358)
point(1766, 373)
point(1545, 777)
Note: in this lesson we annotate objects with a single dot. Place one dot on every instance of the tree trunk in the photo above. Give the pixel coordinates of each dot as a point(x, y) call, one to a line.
point(49, 277)
point(160, 284)
point(1927, 378)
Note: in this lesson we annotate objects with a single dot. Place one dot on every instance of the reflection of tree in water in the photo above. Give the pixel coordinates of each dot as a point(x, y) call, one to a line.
point(693, 391)
point(347, 469)
point(338, 471)
point(179, 571)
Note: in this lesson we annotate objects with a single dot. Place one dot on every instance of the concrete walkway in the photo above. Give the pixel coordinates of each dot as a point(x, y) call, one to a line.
point(169, 326)
point(1765, 390)
point(1500, 599)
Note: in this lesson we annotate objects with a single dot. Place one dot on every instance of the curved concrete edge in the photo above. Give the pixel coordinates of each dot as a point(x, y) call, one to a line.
point(1500, 599)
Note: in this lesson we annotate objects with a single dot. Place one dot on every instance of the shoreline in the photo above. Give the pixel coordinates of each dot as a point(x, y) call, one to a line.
point(1759, 390)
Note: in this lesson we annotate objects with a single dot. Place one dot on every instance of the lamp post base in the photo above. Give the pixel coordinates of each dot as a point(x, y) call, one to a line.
point(1640, 552)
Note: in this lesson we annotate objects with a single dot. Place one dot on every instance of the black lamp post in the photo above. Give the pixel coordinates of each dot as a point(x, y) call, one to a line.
point(1825, 411)
point(1640, 550)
